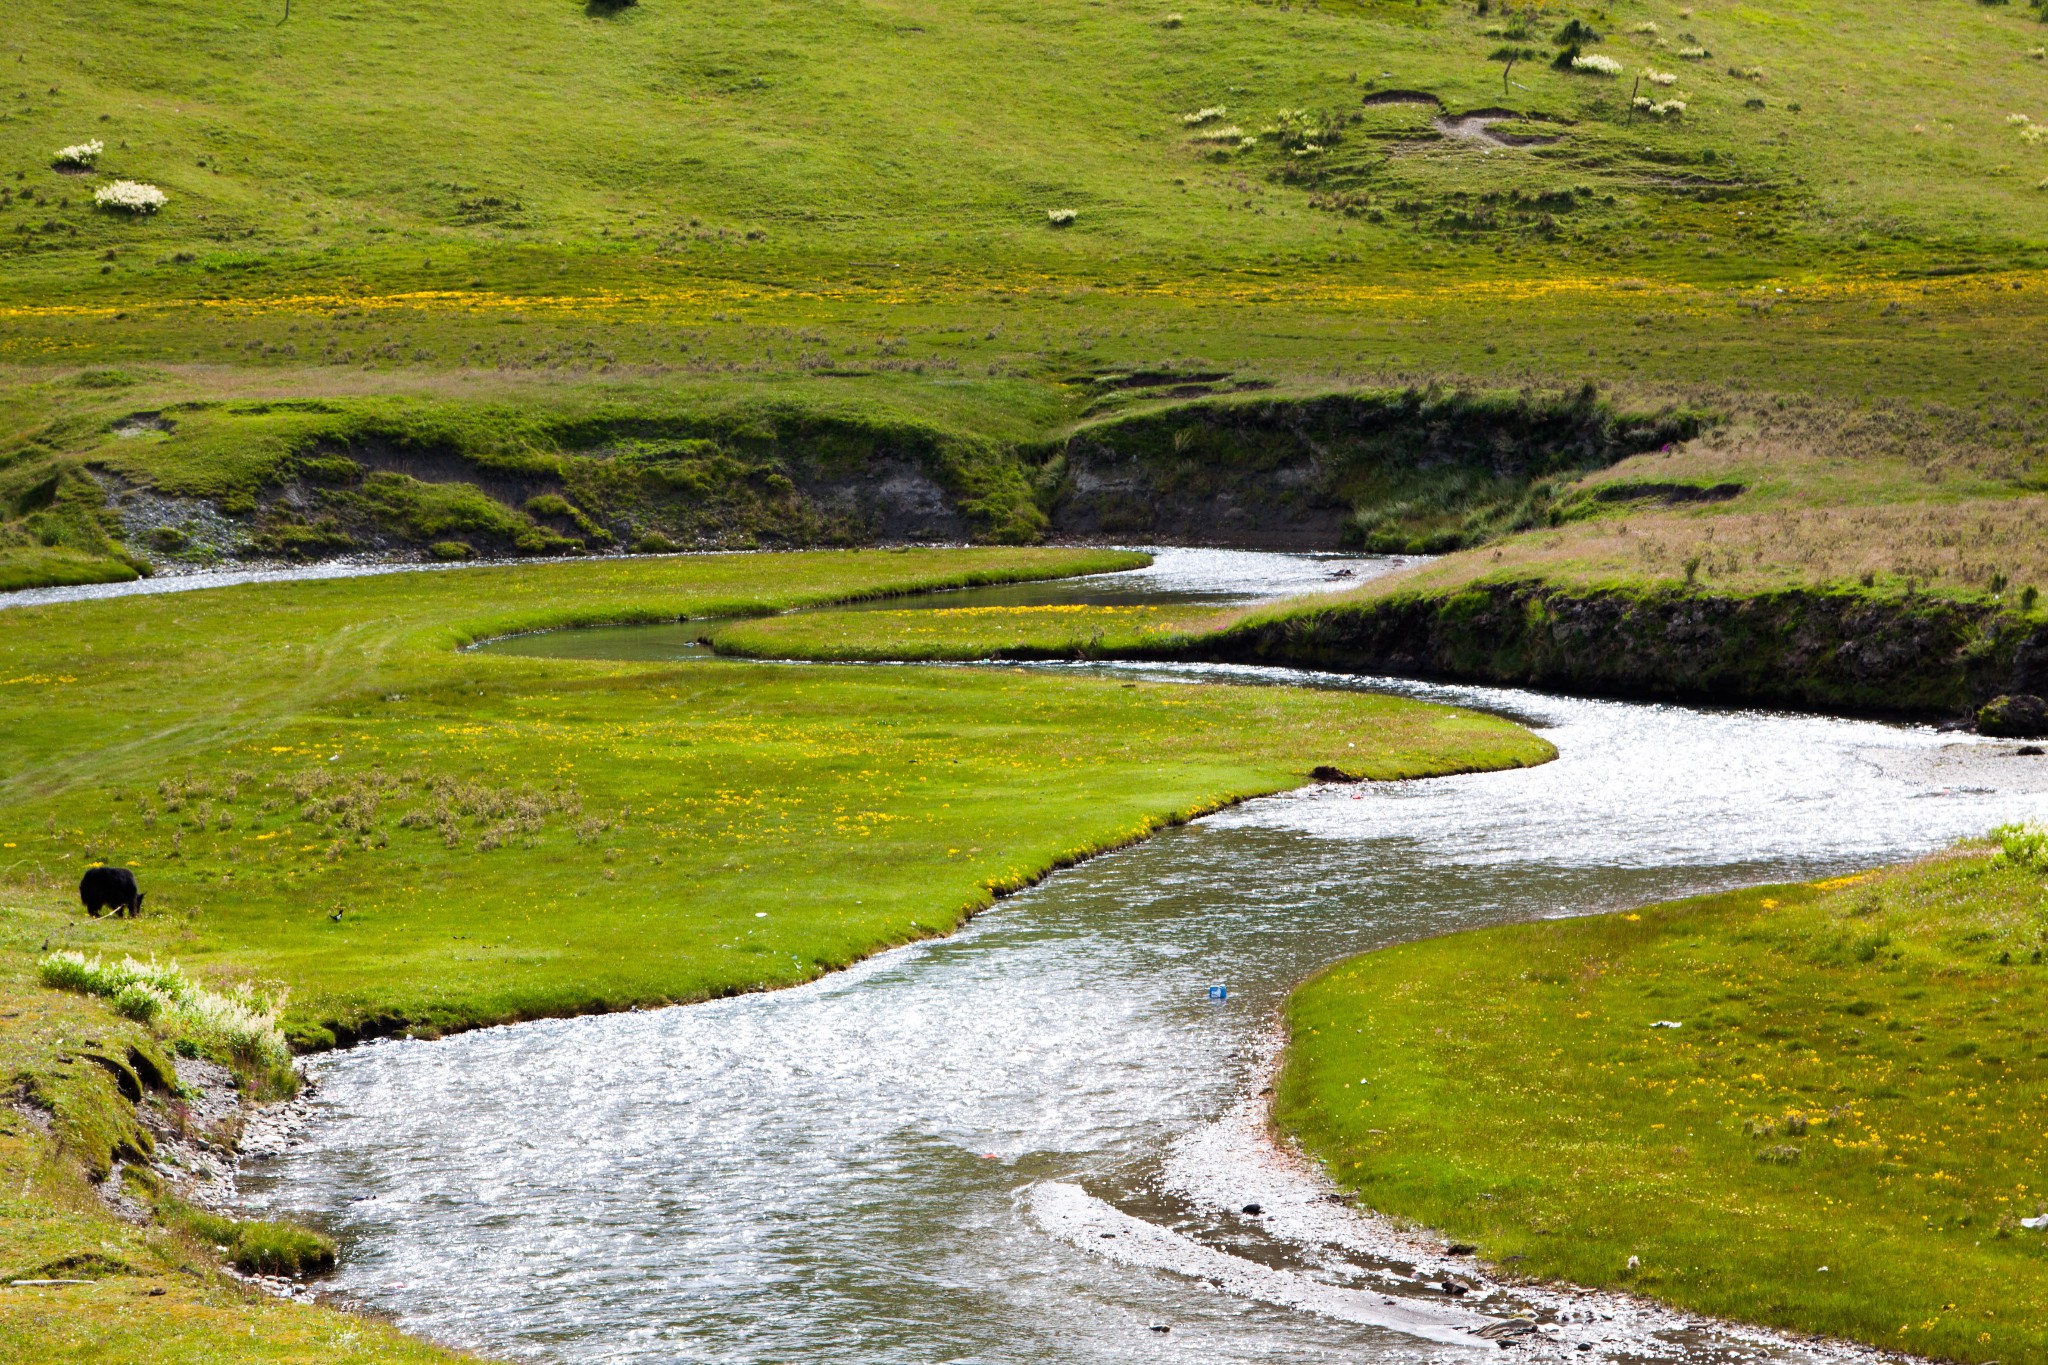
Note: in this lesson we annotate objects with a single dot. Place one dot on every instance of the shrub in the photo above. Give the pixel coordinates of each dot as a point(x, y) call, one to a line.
point(1694, 54)
point(1577, 31)
point(1173, 21)
point(1596, 64)
point(280, 1249)
point(240, 1024)
point(1299, 130)
point(81, 154)
point(2034, 134)
point(1228, 132)
point(1061, 217)
point(2039, 54)
point(129, 196)
point(1659, 108)
point(2022, 845)
point(1656, 77)
point(1201, 116)
point(2017, 120)
point(451, 549)
point(1647, 26)
point(655, 543)
point(1746, 73)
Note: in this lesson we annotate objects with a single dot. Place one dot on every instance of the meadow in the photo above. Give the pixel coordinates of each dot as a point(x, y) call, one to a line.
point(1813, 1106)
point(327, 801)
point(719, 214)
point(406, 836)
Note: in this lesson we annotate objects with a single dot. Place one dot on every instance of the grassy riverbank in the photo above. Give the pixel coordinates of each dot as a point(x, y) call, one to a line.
point(318, 790)
point(1841, 1137)
point(147, 1295)
point(321, 795)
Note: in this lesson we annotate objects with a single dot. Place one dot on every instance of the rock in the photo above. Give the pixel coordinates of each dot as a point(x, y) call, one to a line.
point(2019, 715)
point(1460, 1249)
point(1253, 1209)
point(1457, 1289)
point(1506, 1330)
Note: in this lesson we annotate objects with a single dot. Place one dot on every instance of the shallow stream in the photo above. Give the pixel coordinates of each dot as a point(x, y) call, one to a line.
point(1032, 1141)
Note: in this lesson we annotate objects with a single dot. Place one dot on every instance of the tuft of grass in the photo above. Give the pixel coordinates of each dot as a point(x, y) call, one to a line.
point(1855, 1084)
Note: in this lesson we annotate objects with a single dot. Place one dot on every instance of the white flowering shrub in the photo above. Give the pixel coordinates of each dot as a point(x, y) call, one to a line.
point(80, 154)
point(1173, 20)
point(1694, 54)
point(2018, 120)
point(129, 196)
point(238, 1023)
point(1656, 77)
point(1647, 26)
point(1596, 64)
point(1202, 116)
point(2034, 134)
point(1228, 132)
point(1061, 217)
point(1659, 108)
point(2039, 54)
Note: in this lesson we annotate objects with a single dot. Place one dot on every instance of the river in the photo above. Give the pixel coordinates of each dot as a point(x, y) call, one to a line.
point(923, 1159)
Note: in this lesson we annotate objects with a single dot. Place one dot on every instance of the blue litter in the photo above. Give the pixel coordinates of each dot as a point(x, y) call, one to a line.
point(1219, 992)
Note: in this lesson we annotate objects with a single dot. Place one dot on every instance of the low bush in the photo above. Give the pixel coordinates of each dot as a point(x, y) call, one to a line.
point(2022, 845)
point(239, 1025)
point(1061, 217)
point(130, 196)
point(1596, 64)
point(81, 154)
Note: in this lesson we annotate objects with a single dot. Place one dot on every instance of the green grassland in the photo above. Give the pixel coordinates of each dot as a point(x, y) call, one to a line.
point(150, 1294)
point(323, 795)
point(321, 792)
point(1841, 1137)
point(837, 217)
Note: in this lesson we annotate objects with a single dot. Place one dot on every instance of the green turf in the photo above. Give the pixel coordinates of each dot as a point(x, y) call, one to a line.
point(317, 791)
point(1856, 1085)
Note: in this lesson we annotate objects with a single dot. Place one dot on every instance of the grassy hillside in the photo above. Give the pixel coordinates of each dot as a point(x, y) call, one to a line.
point(740, 141)
point(1840, 1134)
point(839, 214)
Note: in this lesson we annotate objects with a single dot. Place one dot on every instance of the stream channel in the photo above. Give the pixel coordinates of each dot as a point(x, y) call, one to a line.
point(923, 1159)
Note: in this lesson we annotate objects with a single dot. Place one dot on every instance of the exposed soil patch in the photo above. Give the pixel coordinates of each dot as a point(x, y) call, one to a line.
point(1478, 126)
point(141, 424)
point(434, 466)
point(1669, 494)
point(1401, 97)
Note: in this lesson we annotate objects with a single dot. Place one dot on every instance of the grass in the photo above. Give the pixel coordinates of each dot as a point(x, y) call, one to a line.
point(405, 836)
point(323, 795)
point(1856, 1085)
point(152, 1295)
point(1870, 233)
point(959, 634)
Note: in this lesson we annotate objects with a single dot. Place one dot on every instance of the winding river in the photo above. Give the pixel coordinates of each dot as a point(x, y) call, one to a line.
point(1032, 1141)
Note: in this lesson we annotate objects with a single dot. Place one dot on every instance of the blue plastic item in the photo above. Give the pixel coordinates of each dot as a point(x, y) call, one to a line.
point(1219, 992)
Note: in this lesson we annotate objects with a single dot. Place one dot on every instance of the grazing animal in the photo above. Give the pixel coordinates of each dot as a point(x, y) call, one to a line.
point(110, 888)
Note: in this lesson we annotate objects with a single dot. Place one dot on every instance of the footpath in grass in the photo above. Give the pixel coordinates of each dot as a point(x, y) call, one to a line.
point(1841, 1136)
